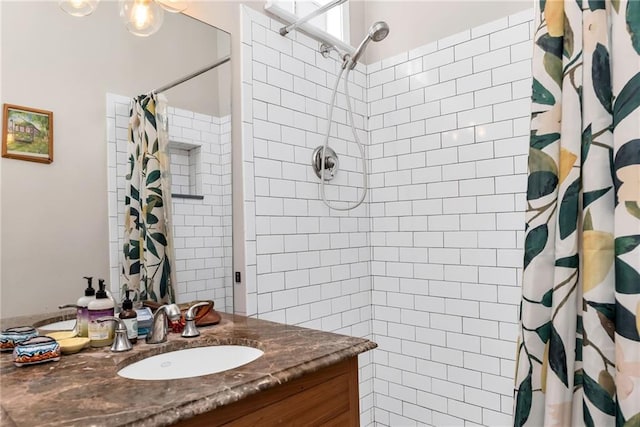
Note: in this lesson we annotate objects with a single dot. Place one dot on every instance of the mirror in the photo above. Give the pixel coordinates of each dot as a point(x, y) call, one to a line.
point(60, 221)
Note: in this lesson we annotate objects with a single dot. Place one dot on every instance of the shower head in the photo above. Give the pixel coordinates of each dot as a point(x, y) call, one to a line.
point(378, 31)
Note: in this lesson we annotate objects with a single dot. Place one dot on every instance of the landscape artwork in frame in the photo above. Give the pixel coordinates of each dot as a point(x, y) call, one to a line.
point(27, 134)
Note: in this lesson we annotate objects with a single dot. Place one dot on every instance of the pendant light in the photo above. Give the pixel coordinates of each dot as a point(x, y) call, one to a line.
point(78, 7)
point(141, 17)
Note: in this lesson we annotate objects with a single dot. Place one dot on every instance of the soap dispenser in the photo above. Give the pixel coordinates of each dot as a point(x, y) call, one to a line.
point(101, 333)
point(129, 318)
point(82, 316)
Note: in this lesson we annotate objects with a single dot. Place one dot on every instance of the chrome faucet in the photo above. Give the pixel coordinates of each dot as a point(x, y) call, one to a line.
point(190, 330)
point(159, 328)
point(121, 340)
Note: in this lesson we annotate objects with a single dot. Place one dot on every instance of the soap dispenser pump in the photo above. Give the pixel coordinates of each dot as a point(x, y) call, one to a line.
point(82, 315)
point(101, 333)
point(129, 318)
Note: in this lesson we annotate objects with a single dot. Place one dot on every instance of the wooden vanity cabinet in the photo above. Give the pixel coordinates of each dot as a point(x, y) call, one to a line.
point(328, 397)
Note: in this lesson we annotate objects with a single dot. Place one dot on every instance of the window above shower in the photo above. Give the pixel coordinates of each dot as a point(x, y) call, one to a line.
point(335, 21)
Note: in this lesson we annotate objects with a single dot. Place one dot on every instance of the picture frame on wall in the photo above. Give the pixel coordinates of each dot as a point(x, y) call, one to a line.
point(27, 134)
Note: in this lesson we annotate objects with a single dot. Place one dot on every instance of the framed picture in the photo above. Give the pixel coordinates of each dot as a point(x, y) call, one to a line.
point(27, 134)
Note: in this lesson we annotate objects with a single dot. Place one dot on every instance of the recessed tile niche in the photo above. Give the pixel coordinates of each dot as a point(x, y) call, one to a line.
point(186, 169)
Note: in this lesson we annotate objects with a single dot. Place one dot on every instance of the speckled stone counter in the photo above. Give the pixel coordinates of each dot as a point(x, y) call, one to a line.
point(84, 390)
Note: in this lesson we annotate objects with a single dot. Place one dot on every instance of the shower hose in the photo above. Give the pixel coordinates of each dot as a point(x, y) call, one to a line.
point(355, 136)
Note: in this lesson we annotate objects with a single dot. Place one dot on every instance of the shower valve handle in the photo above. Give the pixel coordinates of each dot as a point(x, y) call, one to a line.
point(330, 162)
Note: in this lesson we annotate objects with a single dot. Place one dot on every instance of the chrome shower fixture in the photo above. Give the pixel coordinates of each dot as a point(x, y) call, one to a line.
point(324, 160)
point(330, 162)
point(286, 30)
point(377, 32)
point(325, 50)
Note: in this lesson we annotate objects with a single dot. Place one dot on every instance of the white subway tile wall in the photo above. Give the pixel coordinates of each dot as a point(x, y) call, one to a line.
point(429, 267)
point(447, 225)
point(200, 149)
point(306, 265)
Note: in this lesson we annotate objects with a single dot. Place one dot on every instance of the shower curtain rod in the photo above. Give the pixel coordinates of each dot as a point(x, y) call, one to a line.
point(311, 30)
point(285, 30)
point(192, 75)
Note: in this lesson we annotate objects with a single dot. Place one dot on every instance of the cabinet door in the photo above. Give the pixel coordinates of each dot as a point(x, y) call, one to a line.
point(328, 397)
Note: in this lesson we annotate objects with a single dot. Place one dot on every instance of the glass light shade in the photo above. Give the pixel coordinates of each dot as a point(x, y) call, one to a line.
point(141, 17)
point(173, 6)
point(78, 7)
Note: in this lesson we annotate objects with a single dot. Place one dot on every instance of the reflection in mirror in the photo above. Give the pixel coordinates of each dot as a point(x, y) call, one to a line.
point(199, 130)
point(57, 224)
point(200, 153)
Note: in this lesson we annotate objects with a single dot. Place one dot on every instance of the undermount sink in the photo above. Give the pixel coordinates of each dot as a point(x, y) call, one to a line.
point(190, 362)
point(63, 325)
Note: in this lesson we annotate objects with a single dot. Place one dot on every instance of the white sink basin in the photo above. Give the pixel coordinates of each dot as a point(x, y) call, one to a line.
point(63, 325)
point(190, 362)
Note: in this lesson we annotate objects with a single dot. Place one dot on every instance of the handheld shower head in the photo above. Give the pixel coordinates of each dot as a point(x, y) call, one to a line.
point(377, 32)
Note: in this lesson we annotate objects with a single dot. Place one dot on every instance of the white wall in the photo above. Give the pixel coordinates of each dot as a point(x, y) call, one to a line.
point(306, 265)
point(440, 237)
point(54, 217)
point(449, 127)
point(415, 23)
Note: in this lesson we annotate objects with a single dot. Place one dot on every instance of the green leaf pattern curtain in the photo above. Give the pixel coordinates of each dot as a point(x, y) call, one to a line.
point(148, 265)
point(578, 360)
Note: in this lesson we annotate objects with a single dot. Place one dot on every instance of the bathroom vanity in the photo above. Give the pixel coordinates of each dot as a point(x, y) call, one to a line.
point(304, 377)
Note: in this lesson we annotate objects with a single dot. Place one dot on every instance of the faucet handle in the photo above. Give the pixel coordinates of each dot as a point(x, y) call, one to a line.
point(190, 330)
point(60, 307)
point(191, 312)
point(121, 341)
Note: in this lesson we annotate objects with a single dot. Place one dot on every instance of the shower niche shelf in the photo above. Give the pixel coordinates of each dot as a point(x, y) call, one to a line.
point(185, 160)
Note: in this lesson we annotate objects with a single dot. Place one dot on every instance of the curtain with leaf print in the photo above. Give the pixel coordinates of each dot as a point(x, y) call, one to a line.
point(148, 265)
point(578, 360)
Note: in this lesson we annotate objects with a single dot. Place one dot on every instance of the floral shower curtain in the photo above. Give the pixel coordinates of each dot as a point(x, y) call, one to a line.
point(148, 265)
point(578, 358)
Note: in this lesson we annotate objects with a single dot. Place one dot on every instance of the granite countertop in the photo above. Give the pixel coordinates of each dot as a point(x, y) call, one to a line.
point(83, 389)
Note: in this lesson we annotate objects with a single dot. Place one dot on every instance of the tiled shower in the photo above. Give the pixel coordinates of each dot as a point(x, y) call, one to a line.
point(448, 146)
point(429, 267)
